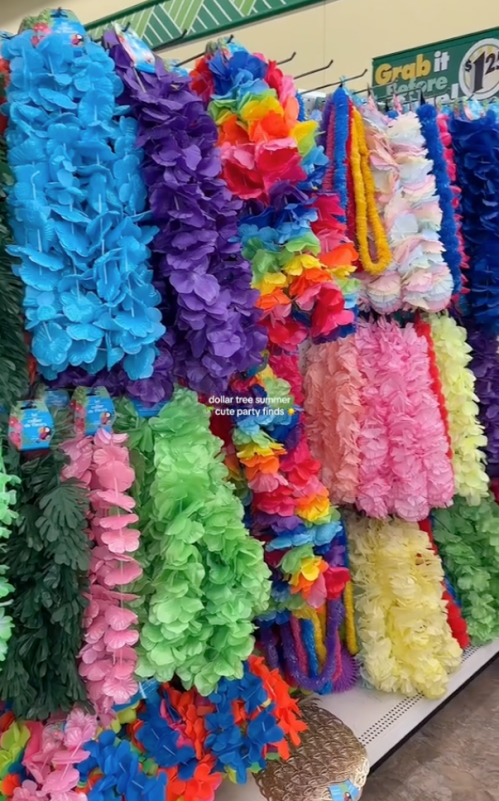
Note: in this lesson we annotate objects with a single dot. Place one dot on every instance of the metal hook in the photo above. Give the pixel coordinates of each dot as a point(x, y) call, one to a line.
point(312, 72)
point(171, 42)
point(287, 60)
point(200, 55)
point(336, 83)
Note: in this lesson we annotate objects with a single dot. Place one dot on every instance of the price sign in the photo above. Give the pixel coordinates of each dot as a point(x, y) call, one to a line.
point(479, 70)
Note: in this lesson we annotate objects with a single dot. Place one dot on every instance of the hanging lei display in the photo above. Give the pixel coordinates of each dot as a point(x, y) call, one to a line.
point(75, 209)
point(269, 158)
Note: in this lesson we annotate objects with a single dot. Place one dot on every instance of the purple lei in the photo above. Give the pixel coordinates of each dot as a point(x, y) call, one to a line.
point(485, 365)
point(214, 326)
point(316, 683)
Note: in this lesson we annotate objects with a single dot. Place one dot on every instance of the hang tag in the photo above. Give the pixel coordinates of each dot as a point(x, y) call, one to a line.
point(141, 55)
point(30, 426)
point(93, 409)
point(54, 398)
point(147, 409)
point(344, 791)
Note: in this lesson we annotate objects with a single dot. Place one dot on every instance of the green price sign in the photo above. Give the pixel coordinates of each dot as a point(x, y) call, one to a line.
point(448, 70)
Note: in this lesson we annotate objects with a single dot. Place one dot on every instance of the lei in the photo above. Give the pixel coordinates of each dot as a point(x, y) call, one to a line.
point(365, 201)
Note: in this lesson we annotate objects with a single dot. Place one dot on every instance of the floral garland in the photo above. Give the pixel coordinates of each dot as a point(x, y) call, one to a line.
point(213, 328)
point(13, 349)
point(467, 542)
point(8, 516)
point(88, 294)
point(52, 756)
point(182, 744)
point(206, 576)
point(476, 150)
point(446, 138)
point(456, 621)
point(468, 440)
point(48, 560)
point(448, 233)
point(333, 404)
point(485, 366)
point(428, 283)
point(366, 211)
point(108, 660)
point(406, 643)
point(269, 157)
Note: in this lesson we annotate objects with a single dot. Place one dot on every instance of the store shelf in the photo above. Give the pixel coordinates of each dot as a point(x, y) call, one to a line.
point(380, 720)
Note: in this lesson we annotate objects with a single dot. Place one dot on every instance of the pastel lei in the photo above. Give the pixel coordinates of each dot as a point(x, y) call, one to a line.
point(108, 659)
point(459, 386)
point(406, 643)
point(365, 202)
point(75, 210)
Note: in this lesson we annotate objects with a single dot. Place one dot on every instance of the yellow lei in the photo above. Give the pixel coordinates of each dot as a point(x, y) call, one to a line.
point(365, 203)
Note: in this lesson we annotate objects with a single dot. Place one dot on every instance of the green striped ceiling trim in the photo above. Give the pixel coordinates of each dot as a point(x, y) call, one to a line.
point(160, 22)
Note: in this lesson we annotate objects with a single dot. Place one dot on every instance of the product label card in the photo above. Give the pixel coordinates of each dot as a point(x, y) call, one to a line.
point(30, 425)
point(344, 791)
point(148, 409)
point(141, 55)
point(54, 398)
point(93, 409)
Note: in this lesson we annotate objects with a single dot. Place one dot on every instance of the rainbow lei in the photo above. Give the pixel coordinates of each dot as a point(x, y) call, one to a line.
point(269, 158)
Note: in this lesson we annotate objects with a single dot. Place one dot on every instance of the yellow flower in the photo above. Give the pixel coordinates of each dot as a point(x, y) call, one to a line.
point(303, 261)
point(304, 133)
point(257, 109)
point(270, 281)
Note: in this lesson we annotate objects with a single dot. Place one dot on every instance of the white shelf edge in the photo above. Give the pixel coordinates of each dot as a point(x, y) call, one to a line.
point(380, 720)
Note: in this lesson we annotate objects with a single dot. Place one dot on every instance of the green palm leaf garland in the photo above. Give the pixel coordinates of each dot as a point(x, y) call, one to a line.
point(7, 518)
point(47, 556)
point(13, 349)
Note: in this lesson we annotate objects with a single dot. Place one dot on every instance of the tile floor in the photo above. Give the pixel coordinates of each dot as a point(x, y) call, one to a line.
point(454, 757)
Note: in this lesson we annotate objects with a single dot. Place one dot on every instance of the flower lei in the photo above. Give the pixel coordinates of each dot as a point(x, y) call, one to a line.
point(74, 211)
point(456, 621)
point(206, 576)
point(448, 231)
point(13, 349)
point(475, 143)
point(108, 660)
point(485, 366)
point(48, 559)
point(52, 756)
point(365, 202)
point(406, 643)
point(183, 744)
point(8, 516)
point(333, 404)
point(468, 440)
point(269, 157)
point(467, 541)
